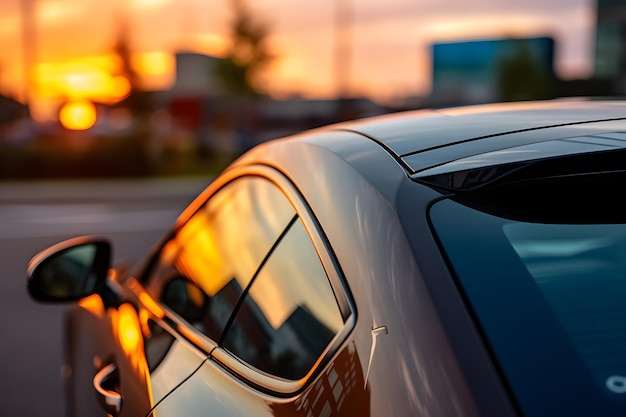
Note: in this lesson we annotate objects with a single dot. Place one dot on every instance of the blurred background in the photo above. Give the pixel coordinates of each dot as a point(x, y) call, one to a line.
point(131, 88)
point(115, 114)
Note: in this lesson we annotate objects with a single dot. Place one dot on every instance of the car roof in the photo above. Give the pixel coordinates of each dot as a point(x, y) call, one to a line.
point(424, 139)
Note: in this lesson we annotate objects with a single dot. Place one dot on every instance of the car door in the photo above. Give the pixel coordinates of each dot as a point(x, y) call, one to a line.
point(255, 295)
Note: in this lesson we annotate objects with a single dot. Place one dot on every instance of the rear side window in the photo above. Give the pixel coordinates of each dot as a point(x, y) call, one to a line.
point(290, 314)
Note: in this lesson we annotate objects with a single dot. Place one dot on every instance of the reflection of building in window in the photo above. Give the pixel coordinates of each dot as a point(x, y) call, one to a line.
point(288, 351)
point(220, 308)
point(290, 313)
point(338, 392)
point(311, 333)
point(293, 276)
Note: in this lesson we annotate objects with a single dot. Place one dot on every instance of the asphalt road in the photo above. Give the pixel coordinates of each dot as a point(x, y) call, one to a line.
point(133, 215)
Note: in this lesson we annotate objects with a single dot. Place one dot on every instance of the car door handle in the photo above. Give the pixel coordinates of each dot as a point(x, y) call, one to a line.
point(104, 382)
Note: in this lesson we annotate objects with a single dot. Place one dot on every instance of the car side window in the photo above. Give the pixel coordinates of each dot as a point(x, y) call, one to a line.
point(290, 313)
point(202, 271)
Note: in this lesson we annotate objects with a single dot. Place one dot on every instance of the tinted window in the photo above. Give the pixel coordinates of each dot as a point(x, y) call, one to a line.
point(551, 299)
point(290, 314)
point(218, 251)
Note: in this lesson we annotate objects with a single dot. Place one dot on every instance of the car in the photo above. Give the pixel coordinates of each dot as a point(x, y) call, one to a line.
point(466, 261)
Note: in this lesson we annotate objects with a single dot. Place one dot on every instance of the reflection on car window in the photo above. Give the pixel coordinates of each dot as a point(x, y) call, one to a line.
point(580, 270)
point(219, 249)
point(550, 299)
point(290, 314)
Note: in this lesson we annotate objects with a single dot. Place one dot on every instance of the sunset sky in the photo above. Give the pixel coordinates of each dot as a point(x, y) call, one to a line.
point(388, 49)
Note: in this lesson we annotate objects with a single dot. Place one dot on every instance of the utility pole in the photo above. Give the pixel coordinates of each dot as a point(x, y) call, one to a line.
point(28, 50)
point(343, 52)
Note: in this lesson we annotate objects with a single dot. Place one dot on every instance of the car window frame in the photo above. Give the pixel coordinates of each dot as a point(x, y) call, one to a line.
point(269, 383)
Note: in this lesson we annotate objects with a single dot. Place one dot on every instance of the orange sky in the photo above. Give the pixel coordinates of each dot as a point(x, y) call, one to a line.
point(388, 53)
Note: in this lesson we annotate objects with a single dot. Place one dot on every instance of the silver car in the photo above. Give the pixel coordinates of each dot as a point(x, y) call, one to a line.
point(461, 262)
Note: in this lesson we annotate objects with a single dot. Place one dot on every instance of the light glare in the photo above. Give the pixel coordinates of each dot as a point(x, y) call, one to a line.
point(78, 115)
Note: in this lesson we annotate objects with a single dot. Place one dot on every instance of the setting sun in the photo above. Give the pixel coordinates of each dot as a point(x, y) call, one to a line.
point(78, 115)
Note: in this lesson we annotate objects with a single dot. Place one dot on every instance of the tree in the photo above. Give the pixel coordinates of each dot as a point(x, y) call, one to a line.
point(139, 103)
point(522, 77)
point(121, 49)
point(247, 55)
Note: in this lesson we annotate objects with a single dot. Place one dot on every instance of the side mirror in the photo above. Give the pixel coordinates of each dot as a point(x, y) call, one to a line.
point(69, 270)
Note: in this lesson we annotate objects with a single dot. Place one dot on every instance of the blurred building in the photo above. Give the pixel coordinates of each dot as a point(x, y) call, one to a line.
point(195, 87)
point(200, 105)
point(10, 109)
point(484, 71)
point(288, 116)
point(15, 128)
point(610, 46)
point(195, 76)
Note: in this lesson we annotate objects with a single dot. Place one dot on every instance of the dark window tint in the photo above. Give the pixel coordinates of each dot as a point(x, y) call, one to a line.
point(581, 272)
point(203, 270)
point(551, 299)
point(290, 314)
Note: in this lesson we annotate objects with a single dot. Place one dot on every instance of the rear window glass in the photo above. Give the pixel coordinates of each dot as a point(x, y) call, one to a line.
point(551, 301)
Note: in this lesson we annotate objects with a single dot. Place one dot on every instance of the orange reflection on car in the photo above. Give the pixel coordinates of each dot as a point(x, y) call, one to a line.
point(93, 304)
point(145, 299)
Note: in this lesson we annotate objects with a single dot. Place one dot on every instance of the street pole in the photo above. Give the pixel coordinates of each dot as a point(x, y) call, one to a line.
point(28, 50)
point(343, 18)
